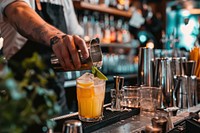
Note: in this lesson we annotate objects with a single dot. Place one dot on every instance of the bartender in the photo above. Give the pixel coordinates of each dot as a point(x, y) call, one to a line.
point(25, 30)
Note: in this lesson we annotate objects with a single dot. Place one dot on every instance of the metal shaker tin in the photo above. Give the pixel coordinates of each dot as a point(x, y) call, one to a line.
point(72, 126)
point(95, 58)
point(145, 69)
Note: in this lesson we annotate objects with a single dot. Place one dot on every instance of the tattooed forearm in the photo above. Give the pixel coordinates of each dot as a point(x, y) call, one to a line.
point(40, 31)
point(33, 30)
point(28, 23)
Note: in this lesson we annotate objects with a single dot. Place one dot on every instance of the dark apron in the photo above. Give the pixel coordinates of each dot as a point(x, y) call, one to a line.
point(54, 15)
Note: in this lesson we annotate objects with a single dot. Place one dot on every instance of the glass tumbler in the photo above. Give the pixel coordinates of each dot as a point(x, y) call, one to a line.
point(149, 100)
point(90, 96)
point(131, 97)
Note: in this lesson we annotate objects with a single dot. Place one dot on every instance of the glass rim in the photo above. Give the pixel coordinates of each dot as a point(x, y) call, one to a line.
point(151, 87)
point(82, 81)
point(131, 87)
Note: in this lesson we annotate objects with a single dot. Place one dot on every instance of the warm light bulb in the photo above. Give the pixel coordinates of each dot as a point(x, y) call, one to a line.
point(150, 45)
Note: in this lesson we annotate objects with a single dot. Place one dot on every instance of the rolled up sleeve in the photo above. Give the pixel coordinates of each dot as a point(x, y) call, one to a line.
point(3, 4)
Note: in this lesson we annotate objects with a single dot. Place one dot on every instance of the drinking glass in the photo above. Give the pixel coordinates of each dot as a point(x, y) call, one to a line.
point(90, 96)
point(131, 97)
point(149, 100)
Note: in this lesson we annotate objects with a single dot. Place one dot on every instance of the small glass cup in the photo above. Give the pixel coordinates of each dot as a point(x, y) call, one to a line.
point(149, 100)
point(90, 96)
point(131, 97)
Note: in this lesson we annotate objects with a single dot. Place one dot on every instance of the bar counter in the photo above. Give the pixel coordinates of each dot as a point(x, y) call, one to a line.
point(137, 123)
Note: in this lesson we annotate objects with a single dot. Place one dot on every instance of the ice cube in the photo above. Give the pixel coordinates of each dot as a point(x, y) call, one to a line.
point(98, 81)
point(86, 77)
point(99, 88)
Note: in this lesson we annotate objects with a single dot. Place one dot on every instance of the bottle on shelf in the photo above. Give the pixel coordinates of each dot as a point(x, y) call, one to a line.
point(119, 31)
point(123, 4)
point(113, 35)
point(126, 37)
point(106, 30)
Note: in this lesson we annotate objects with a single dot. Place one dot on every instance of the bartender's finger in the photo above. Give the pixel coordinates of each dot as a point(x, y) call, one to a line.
point(61, 52)
point(81, 45)
point(69, 41)
point(68, 64)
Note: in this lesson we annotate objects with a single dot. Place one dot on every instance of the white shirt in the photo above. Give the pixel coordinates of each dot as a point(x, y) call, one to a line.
point(13, 41)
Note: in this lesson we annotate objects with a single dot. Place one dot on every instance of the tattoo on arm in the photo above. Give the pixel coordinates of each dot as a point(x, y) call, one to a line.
point(33, 31)
point(40, 31)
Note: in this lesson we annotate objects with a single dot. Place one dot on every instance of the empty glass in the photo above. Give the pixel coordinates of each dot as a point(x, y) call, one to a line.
point(131, 97)
point(149, 100)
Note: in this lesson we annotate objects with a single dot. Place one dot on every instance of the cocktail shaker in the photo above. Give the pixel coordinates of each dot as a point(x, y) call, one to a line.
point(95, 58)
point(72, 126)
point(163, 77)
point(185, 92)
point(145, 70)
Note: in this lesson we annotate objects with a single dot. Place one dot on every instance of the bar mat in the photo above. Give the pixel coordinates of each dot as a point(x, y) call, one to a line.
point(108, 119)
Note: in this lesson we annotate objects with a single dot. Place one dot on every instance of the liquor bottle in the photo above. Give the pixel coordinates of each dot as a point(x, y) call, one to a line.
point(97, 26)
point(106, 30)
point(113, 34)
point(123, 4)
point(125, 33)
point(119, 31)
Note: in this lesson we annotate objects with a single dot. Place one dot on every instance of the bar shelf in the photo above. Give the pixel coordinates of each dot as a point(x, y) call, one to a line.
point(101, 8)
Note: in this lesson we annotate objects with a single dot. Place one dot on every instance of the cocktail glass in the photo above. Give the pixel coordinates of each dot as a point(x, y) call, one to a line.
point(90, 96)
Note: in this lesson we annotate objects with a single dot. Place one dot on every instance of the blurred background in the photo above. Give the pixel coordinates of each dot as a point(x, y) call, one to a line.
point(171, 27)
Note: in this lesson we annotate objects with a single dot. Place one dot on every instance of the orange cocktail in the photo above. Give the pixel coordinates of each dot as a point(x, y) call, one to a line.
point(90, 96)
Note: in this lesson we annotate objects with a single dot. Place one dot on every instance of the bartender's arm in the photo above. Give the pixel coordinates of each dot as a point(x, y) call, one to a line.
point(29, 24)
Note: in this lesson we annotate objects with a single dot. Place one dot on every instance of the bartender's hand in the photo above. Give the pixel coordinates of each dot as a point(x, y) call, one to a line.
point(66, 47)
point(29, 24)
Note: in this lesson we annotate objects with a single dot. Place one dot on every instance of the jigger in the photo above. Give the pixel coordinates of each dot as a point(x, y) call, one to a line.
point(118, 82)
point(117, 93)
point(189, 67)
point(72, 126)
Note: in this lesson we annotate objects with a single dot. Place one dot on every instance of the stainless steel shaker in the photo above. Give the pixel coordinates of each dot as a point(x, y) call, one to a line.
point(163, 77)
point(192, 90)
point(186, 86)
point(189, 71)
point(95, 57)
point(145, 70)
point(181, 91)
point(72, 126)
